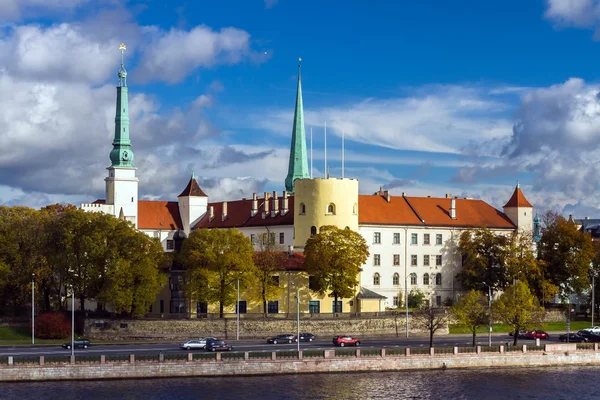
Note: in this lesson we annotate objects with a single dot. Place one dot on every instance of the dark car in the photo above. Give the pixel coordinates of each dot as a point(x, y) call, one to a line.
point(81, 343)
point(307, 337)
point(218, 345)
point(282, 339)
point(346, 341)
point(537, 335)
point(573, 337)
point(589, 335)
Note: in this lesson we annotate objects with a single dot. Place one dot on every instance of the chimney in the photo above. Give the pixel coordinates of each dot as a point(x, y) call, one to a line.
point(224, 216)
point(403, 194)
point(211, 213)
point(587, 217)
point(386, 195)
point(266, 206)
point(448, 195)
point(254, 205)
point(284, 206)
point(453, 208)
point(275, 205)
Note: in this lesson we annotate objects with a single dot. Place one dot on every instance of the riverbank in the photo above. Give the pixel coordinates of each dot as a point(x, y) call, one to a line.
point(291, 362)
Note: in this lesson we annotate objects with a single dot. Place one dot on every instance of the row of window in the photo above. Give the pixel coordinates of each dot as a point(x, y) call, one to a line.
point(438, 301)
point(413, 279)
point(272, 236)
point(314, 307)
point(413, 260)
point(414, 238)
point(331, 209)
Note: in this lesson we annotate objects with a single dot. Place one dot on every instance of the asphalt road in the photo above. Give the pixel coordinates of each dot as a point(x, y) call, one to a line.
point(261, 345)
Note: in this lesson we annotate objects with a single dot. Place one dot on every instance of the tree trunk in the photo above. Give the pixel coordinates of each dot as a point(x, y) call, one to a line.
point(264, 299)
point(516, 337)
point(47, 304)
point(430, 338)
point(335, 302)
point(222, 298)
point(82, 302)
point(474, 336)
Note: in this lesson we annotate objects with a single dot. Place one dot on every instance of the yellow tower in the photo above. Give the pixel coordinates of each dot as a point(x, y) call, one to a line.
point(321, 201)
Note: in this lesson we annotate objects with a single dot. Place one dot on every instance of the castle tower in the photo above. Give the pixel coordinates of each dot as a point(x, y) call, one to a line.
point(121, 183)
point(193, 203)
point(520, 211)
point(298, 166)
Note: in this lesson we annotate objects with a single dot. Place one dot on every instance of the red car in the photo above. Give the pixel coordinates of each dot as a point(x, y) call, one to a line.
point(345, 341)
point(537, 335)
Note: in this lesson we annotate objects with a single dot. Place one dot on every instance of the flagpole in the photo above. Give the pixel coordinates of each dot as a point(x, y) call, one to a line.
point(311, 155)
point(325, 150)
point(343, 133)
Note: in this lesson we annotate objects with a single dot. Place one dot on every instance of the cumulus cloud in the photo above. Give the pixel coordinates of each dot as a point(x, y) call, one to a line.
point(17, 9)
point(577, 13)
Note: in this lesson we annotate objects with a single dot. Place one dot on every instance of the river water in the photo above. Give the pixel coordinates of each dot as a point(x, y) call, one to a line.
point(523, 383)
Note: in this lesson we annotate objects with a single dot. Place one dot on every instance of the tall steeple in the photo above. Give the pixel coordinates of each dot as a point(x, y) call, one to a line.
point(121, 154)
point(298, 166)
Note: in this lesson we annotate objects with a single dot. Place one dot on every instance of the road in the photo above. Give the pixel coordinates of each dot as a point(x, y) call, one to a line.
point(261, 345)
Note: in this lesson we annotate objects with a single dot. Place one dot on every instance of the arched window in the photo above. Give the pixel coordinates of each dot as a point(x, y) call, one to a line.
point(376, 279)
point(347, 228)
point(313, 230)
point(331, 209)
point(438, 279)
point(413, 279)
point(302, 208)
point(425, 279)
point(355, 209)
point(396, 279)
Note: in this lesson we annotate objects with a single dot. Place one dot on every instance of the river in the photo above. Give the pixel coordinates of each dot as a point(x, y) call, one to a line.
point(523, 383)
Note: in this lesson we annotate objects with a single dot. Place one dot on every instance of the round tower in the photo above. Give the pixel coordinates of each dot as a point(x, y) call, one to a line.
point(324, 201)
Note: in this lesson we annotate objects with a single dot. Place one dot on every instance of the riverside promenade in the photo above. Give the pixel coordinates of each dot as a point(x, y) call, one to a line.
point(292, 362)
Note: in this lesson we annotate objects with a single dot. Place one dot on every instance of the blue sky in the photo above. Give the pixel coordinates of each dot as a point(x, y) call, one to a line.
point(435, 97)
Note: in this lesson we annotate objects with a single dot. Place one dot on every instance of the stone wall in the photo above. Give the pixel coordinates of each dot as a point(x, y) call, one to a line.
point(249, 328)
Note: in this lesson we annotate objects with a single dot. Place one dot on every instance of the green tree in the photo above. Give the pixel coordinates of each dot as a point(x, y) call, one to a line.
point(518, 308)
point(472, 311)
point(215, 259)
point(269, 260)
point(431, 320)
point(334, 257)
point(416, 297)
point(484, 254)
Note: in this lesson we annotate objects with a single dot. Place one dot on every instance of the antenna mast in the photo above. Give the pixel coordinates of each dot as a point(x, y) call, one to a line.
point(343, 133)
point(325, 171)
point(311, 155)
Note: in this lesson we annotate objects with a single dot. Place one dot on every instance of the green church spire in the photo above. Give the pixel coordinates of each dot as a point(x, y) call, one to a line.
point(121, 154)
point(298, 167)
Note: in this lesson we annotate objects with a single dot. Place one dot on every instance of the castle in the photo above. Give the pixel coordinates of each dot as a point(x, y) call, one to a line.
point(412, 240)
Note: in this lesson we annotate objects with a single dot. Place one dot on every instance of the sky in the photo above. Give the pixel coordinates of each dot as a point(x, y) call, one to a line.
point(433, 97)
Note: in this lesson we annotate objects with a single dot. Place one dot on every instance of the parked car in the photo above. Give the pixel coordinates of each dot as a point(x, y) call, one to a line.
point(593, 329)
point(82, 343)
point(282, 339)
point(537, 335)
point(346, 341)
point(196, 344)
point(307, 337)
point(591, 337)
point(218, 345)
point(573, 337)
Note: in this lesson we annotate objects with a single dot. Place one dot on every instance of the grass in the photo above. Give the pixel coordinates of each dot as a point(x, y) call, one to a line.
point(503, 328)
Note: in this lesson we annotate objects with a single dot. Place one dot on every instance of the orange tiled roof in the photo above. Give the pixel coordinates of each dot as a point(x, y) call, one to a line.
point(374, 209)
point(518, 199)
point(193, 189)
point(158, 215)
point(239, 215)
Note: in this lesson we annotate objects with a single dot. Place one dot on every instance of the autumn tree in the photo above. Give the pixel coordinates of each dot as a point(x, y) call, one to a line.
point(268, 259)
point(334, 257)
point(472, 311)
point(215, 259)
point(431, 320)
point(484, 254)
point(518, 308)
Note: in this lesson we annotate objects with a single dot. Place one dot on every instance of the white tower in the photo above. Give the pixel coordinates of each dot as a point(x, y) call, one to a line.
point(193, 203)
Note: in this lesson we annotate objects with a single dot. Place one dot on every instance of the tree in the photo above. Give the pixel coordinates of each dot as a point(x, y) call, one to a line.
point(430, 320)
point(566, 253)
point(416, 297)
point(269, 259)
point(215, 259)
point(484, 253)
point(472, 311)
point(334, 257)
point(518, 308)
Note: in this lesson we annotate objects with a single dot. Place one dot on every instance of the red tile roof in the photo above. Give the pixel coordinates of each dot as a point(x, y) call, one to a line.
point(239, 215)
point(193, 189)
point(154, 214)
point(518, 199)
point(374, 209)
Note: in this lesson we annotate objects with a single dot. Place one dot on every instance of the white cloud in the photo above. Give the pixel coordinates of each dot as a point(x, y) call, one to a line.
point(17, 9)
point(577, 13)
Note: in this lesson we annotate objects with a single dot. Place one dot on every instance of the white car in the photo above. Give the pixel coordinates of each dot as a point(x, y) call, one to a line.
point(196, 344)
point(594, 329)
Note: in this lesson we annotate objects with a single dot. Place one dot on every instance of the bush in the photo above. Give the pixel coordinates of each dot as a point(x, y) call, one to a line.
point(415, 298)
point(54, 325)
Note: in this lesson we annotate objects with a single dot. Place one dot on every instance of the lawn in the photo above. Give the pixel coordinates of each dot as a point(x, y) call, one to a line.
point(502, 328)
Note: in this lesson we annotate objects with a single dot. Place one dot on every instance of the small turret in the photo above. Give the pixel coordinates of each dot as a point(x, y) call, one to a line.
point(193, 203)
point(520, 211)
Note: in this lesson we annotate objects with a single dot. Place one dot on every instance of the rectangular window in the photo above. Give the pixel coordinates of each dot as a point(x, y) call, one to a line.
point(395, 301)
point(413, 260)
point(170, 245)
point(396, 259)
point(273, 307)
point(202, 308)
point(162, 306)
point(413, 279)
point(253, 238)
point(438, 261)
point(438, 301)
point(243, 307)
point(312, 283)
point(272, 238)
point(376, 260)
point(281, 237)
point(377, 238)
point(426, 238)
point(149, 310)
point(314, 306)
point(336, 306)
point(438, 239)
point(413, 238)
point(396, 238)
point(275, 280)
point(426, 260)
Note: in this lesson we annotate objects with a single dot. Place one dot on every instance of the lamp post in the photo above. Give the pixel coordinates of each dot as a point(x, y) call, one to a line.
point(72, 322)
point(237, 307)
point(297, 317)
point(33, 308)
point(593, 296)
point(489, 314)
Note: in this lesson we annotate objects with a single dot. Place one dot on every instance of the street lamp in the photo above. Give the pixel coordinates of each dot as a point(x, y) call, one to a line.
point(237, 307)
point(489, 314)
point(297, 316)
point(72, 322)
point(593, 290)
point(33, 308)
